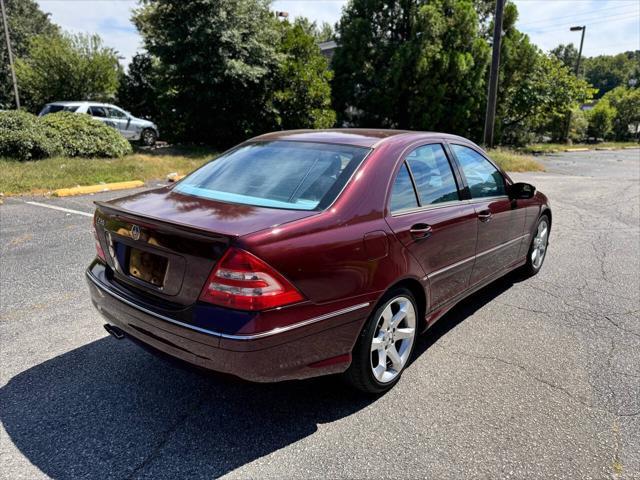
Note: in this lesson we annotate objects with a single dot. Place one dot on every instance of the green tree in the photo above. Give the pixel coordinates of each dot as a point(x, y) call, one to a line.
point(139, 90)
point(25, 21)
point(67, 67)
point(302, 93)
point(540, 101)
point(409, 64)
point(567, 54)
point(601, 119)
point(217, 60)
point(626, 101)
point(607, 72)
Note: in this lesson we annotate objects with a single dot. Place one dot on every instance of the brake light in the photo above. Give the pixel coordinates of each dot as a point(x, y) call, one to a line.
point(99, 250)
point(242, 281)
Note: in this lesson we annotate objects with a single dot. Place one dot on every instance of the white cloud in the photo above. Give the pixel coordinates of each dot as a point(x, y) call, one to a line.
point(612, 25)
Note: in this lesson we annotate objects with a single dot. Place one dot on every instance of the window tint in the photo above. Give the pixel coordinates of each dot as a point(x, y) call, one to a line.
point(97, 112)
point(115, 113)
point(58, 108)
point(279, 174)
point(403, 195)
point(484, 179)
point(433, 175)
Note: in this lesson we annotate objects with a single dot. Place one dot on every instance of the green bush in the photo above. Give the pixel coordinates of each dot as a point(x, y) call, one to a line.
point(83, 136)
point(601, 119)
point(23, 138)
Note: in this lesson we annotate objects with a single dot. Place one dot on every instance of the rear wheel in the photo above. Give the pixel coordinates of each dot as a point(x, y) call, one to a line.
point(386, 343)
point(538, 248)
point(148, 137)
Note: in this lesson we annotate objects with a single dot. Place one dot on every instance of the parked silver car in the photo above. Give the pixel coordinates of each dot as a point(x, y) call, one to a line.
point(132, 128)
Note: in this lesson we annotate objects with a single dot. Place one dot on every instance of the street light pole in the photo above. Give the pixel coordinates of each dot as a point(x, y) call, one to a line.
point(490, 116)
point(577, 71)
point(577, 29)
point(6, 36)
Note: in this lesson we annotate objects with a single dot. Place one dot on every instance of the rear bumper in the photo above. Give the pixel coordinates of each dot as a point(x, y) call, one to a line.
point(313, 347)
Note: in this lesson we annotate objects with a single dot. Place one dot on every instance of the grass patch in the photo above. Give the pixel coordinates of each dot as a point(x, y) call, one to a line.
point(560, 147)
point(42, 176)
point(513, 161)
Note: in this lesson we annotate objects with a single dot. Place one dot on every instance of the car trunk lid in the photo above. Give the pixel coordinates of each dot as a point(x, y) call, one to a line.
point(164, 244)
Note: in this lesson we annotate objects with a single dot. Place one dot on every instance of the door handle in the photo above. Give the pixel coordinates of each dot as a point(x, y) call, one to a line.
point(485, 215)
point(420, 231)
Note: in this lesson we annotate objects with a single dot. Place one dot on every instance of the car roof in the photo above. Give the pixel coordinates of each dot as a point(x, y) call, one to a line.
point(360, 137)
point(82, 102)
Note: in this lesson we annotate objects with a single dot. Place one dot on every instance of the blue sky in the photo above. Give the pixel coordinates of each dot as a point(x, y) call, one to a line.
point(612, 25)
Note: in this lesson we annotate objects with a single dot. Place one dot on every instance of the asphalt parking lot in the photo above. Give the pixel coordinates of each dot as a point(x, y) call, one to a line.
point(525, 379)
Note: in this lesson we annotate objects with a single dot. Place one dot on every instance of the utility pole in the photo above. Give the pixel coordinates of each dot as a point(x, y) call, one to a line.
point(577, 71)
point(6, 36)
point(490, 116)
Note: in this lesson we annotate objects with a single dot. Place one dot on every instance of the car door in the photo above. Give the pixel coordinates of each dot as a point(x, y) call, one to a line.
point(427, 215)
point(100, 113)
point(122, 120)
point(500, 222)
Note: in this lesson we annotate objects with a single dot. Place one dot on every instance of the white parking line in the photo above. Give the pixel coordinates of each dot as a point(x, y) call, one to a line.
point(68, 210)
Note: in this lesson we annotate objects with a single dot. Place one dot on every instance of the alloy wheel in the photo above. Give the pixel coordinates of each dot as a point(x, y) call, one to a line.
point(540, 244)
point(393, 338)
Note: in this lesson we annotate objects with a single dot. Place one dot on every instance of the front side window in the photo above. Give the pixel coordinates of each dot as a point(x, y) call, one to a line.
point(483, 178)
point(278, 174)
point(403, 196)
point(432, 174)
point(115, 113)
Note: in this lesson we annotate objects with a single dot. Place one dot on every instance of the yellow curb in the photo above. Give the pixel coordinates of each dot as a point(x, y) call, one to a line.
point(581, 149)
point(631, 148)
point(176, 178)
point(606, 149)
point(103, 187)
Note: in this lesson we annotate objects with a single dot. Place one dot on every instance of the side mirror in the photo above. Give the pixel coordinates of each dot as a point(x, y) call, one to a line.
point(521, 190)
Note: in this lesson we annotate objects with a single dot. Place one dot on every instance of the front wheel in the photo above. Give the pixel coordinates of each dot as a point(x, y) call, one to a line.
point(148, 137)
point(538, 248)
point(385, 344)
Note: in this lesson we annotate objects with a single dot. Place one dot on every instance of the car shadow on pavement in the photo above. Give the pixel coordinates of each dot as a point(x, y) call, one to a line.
point(111, 410)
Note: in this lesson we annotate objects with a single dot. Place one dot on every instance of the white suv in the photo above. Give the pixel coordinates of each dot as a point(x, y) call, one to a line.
point(132, 128)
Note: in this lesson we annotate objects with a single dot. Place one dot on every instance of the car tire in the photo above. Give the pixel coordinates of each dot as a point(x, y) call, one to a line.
point(374, 369)
point(538, 247)
point(148, 137)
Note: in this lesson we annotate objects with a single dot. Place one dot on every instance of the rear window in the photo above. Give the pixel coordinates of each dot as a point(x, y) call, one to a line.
point(279, 174)
point(58, 108)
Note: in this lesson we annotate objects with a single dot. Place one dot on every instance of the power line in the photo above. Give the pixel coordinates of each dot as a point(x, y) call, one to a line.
point(579, 17)
point(555, 28)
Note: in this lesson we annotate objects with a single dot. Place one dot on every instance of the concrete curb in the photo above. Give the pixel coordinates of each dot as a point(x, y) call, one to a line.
point(103, 187)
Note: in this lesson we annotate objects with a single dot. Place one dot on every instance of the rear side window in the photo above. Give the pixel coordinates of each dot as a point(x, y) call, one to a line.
point(483, 178)
point(432, 174)
point(58, 108)
point(403, 196)
point(278, 174)
point(97, 112)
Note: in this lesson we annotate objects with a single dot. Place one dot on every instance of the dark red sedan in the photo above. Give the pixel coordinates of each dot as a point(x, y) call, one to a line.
point(305, 253)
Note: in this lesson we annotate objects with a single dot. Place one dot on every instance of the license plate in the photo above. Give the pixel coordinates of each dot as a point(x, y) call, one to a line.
point(147, 267)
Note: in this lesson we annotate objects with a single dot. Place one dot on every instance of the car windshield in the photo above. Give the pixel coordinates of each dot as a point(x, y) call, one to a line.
point(278, 174)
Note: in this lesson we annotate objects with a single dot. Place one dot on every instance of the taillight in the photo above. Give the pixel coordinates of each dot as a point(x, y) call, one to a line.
point(244, 282)
point(99, 250)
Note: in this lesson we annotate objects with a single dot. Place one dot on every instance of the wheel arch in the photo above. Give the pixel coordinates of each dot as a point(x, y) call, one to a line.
point(419, 293)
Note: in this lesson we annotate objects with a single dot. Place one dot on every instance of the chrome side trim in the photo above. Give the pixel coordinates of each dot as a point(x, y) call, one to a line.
point(268, 333)
point(449, 267)
point(473, 257)
point(502, 245)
